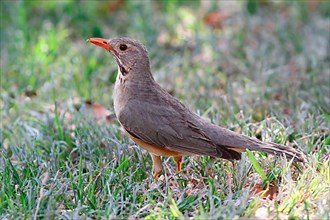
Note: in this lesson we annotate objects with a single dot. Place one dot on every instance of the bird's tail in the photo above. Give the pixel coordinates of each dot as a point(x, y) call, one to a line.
point(239, 143)
point(276, 149)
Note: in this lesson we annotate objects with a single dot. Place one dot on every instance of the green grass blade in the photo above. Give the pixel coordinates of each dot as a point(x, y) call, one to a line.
point(256, 165)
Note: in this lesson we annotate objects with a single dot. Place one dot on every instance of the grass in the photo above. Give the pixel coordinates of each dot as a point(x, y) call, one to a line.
point(264, 72)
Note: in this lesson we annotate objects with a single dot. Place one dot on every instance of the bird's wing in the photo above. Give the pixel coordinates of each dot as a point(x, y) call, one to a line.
point(168, 128)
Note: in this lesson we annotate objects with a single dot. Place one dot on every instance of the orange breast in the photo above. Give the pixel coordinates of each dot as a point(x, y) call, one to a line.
point(158, 151)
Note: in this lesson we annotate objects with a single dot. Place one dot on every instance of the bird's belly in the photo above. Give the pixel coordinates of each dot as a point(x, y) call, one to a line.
point(158, 151)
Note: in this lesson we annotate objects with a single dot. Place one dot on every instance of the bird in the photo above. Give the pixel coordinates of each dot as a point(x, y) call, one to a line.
point(164, 126)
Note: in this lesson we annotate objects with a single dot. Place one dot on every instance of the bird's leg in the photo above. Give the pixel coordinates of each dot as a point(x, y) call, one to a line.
point(178, 160)
point(157, 165)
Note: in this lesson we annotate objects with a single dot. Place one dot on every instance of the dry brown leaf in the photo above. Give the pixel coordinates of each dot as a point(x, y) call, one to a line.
point(271, 192)
point(215, 19)
point(112, 6)
point(312, 4)
point(278, 97)
point(99, 111)
point(30, 93)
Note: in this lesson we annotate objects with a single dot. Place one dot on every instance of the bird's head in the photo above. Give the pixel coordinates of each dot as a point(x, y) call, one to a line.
point(129, 53)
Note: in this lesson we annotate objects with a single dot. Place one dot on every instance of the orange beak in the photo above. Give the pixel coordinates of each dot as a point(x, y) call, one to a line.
point(101, 43)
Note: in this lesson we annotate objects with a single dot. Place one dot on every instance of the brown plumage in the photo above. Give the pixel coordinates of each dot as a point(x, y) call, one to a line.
point(160, 123)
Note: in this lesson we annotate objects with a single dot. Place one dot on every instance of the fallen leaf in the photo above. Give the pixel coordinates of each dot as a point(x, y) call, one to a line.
point(312, 4)
point(112, 6)
point(30, 93)
point(270, 192)
point(278, 97)
point(215, 19)
point(100, 112)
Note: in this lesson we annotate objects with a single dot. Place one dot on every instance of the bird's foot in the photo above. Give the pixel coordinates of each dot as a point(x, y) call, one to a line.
point(178, 160)
point(157, 165)
point(156, 175)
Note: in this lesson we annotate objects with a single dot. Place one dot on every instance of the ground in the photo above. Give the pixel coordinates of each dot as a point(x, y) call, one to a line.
point(260, 68)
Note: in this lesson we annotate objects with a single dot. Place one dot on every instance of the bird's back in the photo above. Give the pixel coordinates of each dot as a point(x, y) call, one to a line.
point(227, 144)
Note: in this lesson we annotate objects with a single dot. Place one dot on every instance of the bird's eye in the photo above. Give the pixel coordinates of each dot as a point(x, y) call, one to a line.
point(123, 47)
